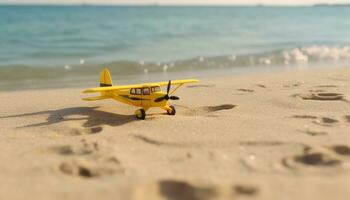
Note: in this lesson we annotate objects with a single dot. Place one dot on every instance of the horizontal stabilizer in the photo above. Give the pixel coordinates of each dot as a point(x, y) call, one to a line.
point(95, 98)
point(106, 89)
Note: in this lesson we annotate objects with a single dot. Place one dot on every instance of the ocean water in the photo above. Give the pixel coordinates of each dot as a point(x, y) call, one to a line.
point(60, 46)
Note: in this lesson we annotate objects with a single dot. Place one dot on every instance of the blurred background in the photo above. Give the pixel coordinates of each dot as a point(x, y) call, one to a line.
point(65, 43)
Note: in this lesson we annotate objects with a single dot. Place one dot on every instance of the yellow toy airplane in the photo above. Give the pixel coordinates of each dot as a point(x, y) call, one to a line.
point(144, 95)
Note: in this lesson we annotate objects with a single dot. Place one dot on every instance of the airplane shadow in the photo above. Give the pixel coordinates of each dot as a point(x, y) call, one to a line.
point(91, 115)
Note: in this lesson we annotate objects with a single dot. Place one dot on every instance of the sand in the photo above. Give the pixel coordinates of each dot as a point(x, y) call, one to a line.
point(281, 135)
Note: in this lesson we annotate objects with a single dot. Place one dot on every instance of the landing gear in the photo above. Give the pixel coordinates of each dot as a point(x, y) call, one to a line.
point(172, 111)
point(140, 114)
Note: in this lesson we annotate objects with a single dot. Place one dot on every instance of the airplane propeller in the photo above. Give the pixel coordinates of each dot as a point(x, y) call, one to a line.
point(167, 97)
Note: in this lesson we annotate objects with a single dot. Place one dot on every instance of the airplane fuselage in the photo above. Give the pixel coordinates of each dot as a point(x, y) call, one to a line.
point(140, 97)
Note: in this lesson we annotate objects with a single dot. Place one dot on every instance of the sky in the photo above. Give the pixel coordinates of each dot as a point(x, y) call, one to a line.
point(184, 2)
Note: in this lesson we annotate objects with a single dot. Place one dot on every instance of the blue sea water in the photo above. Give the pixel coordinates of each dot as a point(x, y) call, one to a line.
point(57, 42)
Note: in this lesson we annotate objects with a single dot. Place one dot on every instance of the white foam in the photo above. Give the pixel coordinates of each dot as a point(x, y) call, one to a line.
point(165, 68)
point(299, 56)
point(67, 67)
point(328, 53)
point(232, 57)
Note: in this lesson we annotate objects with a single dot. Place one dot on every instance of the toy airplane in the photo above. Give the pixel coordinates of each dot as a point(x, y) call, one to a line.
point(146, 95)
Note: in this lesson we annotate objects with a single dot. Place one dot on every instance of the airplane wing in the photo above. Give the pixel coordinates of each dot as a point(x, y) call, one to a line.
point(176, 82)
point(179, 83)
point(125, 87)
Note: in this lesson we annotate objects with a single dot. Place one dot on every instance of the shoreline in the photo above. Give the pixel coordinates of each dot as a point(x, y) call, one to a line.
point(76, 81)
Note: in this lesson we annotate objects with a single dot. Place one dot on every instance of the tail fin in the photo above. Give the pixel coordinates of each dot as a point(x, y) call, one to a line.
point(105, 80)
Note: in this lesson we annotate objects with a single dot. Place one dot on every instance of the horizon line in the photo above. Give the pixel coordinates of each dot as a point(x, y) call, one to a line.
point(166, 4)
point(176, 4)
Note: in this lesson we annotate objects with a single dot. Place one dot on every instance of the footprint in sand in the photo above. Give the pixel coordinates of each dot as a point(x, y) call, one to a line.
point(304, 116)
point(90, 167)
point(77, 131)
point(342, 150)
point(261, 85)
point(218, 108)
point(322, 96)
point(245, 90)
point(183, 190)
point(318, 159)
point(84, 148)
point(311, 157)
point(245, 190)
point(347, 118)
point(313, 132)
point(323, 121)
point(87, 160)
point(326, 121)
point(207, 110)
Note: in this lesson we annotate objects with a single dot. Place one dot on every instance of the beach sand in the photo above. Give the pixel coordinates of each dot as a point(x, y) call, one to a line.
point(281, 135)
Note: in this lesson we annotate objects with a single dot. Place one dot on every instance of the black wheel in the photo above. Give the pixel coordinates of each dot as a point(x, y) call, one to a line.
point(140, 114)
point(172, 111)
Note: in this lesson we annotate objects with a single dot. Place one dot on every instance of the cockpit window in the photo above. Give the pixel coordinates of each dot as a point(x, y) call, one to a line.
point(138, 91)
point(146, 91)
point(155, 89)
point(132, 91)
